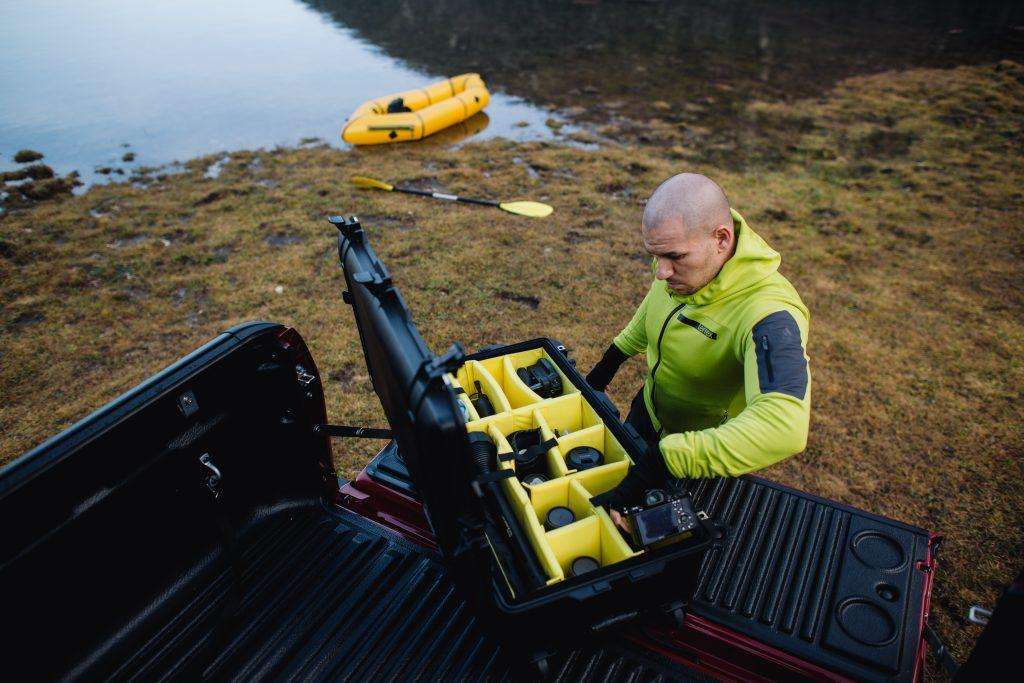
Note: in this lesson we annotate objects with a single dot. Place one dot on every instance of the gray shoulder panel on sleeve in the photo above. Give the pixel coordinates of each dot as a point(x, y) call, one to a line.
point(781, 365)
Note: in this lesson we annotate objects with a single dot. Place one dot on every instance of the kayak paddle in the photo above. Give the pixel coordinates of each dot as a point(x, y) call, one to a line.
point(531, 209)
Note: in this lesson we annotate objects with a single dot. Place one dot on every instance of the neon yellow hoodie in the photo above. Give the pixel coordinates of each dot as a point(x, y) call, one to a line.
point(728, 386)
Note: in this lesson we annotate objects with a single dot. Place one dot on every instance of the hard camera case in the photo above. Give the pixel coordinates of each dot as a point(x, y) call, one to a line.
point(421, 395)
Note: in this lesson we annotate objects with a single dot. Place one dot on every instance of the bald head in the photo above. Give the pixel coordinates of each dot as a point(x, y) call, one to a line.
point(687, 227)
point(687, 201)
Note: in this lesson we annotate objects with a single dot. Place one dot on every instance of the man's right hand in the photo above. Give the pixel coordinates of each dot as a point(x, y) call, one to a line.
point(619, 520)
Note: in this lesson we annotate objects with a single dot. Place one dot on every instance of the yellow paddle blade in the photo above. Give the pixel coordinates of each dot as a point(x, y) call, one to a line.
point(531, 209)
point(370, 183)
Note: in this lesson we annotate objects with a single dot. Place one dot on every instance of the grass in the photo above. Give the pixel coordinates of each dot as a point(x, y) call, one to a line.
point(895, 202)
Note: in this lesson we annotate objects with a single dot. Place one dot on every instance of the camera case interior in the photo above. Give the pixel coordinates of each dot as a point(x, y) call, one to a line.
point(489, 544)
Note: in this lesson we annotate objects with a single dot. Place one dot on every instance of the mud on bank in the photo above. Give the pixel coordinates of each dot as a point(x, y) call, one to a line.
point(895, 202)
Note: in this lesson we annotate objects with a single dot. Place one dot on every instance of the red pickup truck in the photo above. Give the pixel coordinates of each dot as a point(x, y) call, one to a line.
point(195, 528)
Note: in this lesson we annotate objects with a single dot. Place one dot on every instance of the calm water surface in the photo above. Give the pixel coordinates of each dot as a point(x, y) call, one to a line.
point(85, 82)
point(178, 79)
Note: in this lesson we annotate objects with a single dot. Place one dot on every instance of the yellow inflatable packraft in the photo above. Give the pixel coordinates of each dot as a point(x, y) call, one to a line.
point(415, 114)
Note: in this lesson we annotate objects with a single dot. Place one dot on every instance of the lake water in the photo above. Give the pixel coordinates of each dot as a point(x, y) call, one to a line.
point(177, 79)
point(84, 83)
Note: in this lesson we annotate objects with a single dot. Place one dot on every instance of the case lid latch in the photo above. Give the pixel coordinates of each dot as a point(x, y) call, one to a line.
point(348, 226)
point(430, 371)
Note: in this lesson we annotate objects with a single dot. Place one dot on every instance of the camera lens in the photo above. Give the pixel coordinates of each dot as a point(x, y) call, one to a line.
point(542, 378)
point(583, 458)
point(558, 517)
point(654, 497)
point(534, 479)
point(483, 451)
point(582, 565)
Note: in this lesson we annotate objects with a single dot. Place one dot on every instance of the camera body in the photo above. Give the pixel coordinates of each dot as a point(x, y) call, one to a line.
point(662, 519)
point(542, 378)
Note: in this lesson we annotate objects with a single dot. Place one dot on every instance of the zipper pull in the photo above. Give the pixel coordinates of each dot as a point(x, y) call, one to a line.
point(767, 358)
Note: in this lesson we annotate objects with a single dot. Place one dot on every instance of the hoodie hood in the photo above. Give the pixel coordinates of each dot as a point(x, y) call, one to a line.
point(753, 261)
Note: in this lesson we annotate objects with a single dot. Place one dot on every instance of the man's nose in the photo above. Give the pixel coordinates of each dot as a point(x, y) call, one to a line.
point(664, 269)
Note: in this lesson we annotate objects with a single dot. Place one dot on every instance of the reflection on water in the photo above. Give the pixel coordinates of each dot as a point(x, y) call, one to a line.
point(180, 78)
point(613, 58)
point(87, 83)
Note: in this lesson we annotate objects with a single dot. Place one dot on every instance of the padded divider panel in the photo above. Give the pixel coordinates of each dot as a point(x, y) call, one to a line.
point(568, 414)
point(514, 361)
point(556, 459)
point(463, 398)
point(597, 480)
point(527, 517)
point(474, 371)
point(593, 536)
point(597, 437)
point(613, 546)
point(593, 533)
point(580, 538)
point(561, 492)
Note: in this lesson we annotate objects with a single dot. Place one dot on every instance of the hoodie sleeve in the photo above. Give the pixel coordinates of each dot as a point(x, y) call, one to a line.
point(773, 425)
point(633, 337)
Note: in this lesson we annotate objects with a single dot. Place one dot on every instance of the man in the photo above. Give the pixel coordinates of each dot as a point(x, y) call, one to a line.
point(728, 386)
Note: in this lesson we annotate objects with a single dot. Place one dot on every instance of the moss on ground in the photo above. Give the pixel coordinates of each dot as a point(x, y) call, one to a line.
point(895, 202)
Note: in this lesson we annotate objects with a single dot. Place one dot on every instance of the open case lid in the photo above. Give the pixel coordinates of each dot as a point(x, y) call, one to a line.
point(419, 404)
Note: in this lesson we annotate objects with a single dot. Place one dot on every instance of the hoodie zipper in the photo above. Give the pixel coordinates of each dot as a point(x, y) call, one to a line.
point(767, 358)
point(654, 370)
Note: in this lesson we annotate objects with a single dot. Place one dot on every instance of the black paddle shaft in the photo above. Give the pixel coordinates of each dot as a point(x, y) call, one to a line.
point(447, 197)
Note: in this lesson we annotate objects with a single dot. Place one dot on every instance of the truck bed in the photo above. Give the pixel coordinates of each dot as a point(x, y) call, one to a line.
point(797, 573)
point(194, 529)
point(327, 596)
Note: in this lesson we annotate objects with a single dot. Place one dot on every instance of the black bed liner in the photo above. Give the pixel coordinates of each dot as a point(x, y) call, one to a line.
point(329, 596)
point(789, 576)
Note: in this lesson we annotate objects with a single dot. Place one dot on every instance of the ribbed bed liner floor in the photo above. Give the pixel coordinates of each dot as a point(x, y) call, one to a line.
point(328, 596)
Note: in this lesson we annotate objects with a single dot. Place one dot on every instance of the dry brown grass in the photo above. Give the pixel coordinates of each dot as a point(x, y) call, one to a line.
point(895, 202)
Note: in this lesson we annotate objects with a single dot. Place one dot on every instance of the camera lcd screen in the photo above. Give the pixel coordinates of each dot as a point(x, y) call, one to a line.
point(656, 523)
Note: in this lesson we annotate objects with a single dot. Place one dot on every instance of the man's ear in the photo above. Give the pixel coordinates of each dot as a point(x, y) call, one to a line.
point(723, 237)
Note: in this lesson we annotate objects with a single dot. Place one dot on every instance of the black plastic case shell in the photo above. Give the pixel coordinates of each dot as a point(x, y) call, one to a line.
point(421, 407)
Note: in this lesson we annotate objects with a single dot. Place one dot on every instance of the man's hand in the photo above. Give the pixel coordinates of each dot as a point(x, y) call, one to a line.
point(619, 520)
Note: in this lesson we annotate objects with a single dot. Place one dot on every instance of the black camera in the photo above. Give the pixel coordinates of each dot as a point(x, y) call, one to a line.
point(542, 378)
point(480, 402)
point(528, 453)
point(663, 518)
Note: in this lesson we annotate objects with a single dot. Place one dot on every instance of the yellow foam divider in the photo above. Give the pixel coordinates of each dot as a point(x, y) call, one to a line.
point(506, 423)
point(597, 436)
point(598, 480)
point(517, 393)
point(514, 361)
point(561, 493)
point(556, 459)
point(572, 422)
point(613, 546)
point(463, 398)
point(568, 414)
point(591, 536)
point(527, 518)
point(472, 372)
